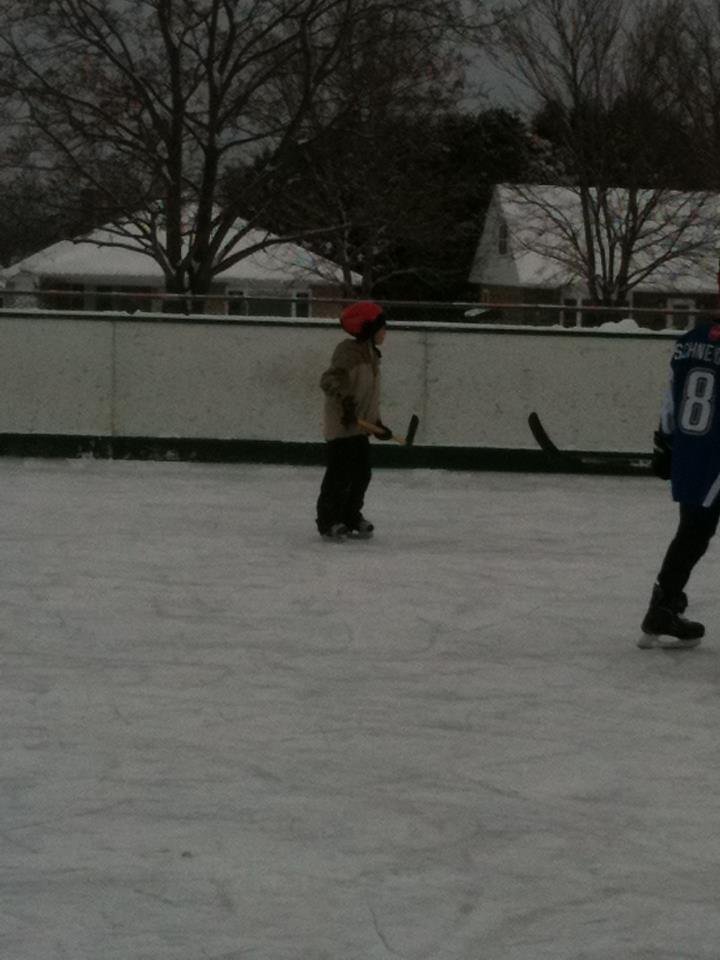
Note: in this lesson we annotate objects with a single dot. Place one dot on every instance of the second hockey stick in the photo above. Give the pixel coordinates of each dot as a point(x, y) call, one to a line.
point(546, 444)
point(599, 463)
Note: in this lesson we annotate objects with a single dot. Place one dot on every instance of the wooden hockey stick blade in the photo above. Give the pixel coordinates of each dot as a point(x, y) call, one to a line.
point(587, 463)
point(377, 431)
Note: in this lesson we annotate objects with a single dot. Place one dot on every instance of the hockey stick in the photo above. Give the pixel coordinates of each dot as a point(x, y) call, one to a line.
point(407, 440)
point(545, 443)
point(599, 463)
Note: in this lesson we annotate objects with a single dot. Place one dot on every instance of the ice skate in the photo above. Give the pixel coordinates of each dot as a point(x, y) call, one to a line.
point(337, 533)
point(360, 529)
point(665, 628)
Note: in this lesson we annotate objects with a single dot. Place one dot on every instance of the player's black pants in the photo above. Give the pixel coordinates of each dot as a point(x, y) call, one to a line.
point(695, 531)
point(347, 477)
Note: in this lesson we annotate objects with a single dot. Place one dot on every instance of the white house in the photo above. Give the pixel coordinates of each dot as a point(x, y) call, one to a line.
point(528, 253)
point(94, 273)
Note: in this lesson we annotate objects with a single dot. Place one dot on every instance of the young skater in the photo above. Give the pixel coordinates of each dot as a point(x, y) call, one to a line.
point(351, 385)
point(687, 452)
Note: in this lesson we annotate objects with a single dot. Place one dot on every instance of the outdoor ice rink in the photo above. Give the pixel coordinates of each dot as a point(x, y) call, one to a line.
point(223, 739)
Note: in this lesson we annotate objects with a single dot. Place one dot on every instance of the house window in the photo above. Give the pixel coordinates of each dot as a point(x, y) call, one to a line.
point(269, 307)
point(244, 305)
point(237, 304)
point(64, 296)
point(683, 313)
point(503, 237)
point(124, 299)
point(302, 304)
point(569, 315)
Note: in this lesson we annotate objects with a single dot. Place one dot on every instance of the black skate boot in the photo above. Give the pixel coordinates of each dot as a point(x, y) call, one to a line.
point(360, 528)
point(664, 626)
point(680, 602)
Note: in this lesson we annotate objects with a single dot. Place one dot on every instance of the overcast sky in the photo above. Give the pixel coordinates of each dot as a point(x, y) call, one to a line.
point(489, 86)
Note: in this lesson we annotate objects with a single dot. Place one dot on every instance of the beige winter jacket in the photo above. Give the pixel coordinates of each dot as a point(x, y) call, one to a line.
point(354, 371)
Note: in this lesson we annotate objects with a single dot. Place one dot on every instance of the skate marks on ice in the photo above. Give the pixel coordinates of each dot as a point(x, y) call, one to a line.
point(223, 739)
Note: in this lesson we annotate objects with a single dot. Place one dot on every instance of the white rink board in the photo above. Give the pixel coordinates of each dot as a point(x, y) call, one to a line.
point(55, 376)
point(258, 380)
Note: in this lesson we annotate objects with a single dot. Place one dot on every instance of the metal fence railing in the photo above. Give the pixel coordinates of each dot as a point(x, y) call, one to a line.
point(665, 313)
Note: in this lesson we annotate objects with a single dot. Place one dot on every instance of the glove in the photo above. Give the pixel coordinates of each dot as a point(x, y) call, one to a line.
point(386, 432)
point(349, 412)
point(661, 462)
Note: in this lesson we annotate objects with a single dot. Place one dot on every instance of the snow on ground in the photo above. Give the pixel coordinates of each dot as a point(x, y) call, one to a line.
point(226, 739)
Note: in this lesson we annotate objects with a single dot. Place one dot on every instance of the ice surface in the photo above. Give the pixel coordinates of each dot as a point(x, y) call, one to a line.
point(224, 738)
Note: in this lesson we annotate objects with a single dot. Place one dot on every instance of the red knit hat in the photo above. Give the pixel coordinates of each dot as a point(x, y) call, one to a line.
point(362, 319)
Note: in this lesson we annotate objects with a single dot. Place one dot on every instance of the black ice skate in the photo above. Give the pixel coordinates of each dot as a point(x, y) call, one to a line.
point(360, 528)
point(665, 628)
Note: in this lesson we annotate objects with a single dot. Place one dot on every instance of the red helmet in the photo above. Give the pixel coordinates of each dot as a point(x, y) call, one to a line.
point(362, 319)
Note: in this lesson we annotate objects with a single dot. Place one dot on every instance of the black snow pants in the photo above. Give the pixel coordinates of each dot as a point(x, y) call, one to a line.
point(347, 477)
point(695, 531)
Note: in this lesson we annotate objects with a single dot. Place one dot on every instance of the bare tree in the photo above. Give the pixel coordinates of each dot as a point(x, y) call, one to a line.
point(594, 62)
point(147, 103)
point(686, 62)
point(362, 171)
point(408, 191)
point(634, 234)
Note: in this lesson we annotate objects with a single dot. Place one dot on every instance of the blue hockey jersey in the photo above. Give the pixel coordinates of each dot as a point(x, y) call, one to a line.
point(691, 416)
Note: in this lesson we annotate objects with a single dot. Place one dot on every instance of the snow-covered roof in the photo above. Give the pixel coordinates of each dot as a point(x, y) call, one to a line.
point(91, 260)
point(537, 219)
